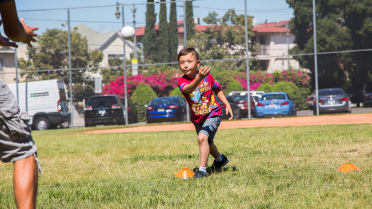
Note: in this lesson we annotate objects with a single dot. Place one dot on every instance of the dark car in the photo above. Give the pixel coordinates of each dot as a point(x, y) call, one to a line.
point(235, 109)
point(103, 110)
point(332, 100)
point(367, 96)
point(172, 108)
point(132, 112)
point(241, 102)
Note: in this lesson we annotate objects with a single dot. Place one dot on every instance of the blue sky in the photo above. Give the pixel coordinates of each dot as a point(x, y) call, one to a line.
point(103, 19)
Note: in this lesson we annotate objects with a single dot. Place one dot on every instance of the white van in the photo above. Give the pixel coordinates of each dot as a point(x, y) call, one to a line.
point(46, 103)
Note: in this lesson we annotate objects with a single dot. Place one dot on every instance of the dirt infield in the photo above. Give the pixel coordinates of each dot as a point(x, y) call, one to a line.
point(268, 122)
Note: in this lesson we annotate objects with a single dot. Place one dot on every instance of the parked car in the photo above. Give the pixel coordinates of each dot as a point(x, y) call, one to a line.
point(367, 96)
point(332, 100)
point(234, 106)
point(172, 108)
point(310, 100)
point(45, 102)
point(367, 99)
point(275, 103)
point(256, 95)
point(103, 110)
point(241, 102)
point(132, 112)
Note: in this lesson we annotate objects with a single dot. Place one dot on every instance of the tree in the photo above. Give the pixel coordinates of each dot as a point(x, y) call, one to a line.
point(189, 20)
point(173, 32)
point(163, 48)
point(141, 97)
point(149, 38)
point(224, 37)
point(337, 25)
point(358, 21)
point(52, 53)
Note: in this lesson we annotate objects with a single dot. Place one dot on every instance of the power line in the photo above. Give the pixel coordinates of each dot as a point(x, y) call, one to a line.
point(239, 58)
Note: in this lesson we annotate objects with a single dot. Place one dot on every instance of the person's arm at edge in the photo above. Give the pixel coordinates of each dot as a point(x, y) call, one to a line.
point(223, 99)
point(14, 29)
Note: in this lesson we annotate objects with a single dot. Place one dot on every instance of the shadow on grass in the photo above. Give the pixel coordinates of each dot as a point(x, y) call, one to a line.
point(211, 170)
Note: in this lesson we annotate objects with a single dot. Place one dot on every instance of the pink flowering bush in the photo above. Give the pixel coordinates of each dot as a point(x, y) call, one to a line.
point(161, 83)
point(299, 78)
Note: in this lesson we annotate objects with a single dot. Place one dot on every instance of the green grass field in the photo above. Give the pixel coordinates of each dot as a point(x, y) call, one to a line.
point(284, 167)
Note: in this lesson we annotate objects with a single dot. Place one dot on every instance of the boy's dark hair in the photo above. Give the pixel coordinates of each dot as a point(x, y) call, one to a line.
point(186, 51)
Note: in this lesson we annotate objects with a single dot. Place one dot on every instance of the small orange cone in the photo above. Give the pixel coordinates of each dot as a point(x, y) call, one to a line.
point(347, 167)
point(184, 173)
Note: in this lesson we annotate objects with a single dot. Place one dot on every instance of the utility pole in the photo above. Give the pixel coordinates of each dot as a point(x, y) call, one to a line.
point(135, 56)
point(315, 62)
point(184, 46)
point(247, 58)
point(70, 68)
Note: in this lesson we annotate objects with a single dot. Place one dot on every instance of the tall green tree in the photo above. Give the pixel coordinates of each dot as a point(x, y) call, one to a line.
point(149, 38)
point(51, 52)
point(358, 21)
point(163, 48)
point(189, 20)
point(173, 32)
point(332, 35)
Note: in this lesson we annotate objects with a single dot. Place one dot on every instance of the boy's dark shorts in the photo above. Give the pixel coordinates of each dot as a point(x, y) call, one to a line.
point(16, 142)
point(209, 127)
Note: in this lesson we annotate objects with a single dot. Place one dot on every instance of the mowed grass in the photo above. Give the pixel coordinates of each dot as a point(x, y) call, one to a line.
point(284, 167)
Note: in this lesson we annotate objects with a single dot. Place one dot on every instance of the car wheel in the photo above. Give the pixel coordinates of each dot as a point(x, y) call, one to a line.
point(41, 123)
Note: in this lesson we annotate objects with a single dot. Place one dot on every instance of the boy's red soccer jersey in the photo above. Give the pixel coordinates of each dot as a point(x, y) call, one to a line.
point(202, 101)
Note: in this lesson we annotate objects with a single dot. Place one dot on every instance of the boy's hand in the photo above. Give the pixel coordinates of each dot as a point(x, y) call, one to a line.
point(204, 71)
point(29, 33)
point(229, 111)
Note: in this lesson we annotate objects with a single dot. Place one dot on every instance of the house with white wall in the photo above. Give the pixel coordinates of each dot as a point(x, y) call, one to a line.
point(273, 42)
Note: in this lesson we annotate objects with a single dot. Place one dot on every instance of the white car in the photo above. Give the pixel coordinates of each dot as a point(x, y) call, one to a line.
point(256, 95)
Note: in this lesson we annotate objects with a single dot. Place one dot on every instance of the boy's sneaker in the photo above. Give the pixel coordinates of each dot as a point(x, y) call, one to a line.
point(200, 174)
point(218, 165)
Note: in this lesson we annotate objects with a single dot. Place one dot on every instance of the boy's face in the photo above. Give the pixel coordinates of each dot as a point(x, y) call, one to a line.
point(189, 64)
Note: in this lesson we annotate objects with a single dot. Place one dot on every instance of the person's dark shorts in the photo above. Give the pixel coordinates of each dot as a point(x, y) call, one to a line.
point(209, 127)
point(16, 142)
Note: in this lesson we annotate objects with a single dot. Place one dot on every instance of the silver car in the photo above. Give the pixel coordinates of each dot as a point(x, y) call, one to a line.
point(332, 100)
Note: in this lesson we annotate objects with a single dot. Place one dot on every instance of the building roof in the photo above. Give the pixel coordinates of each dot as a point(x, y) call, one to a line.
point(140, 31)
point(98, 40)
point(273, 27)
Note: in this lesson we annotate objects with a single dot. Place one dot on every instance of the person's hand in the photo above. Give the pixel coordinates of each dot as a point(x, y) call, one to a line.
point(204, 71)
point(30, 35)
point(229, 111)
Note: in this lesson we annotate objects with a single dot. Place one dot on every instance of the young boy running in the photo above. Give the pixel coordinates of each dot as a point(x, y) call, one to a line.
point(198, 87)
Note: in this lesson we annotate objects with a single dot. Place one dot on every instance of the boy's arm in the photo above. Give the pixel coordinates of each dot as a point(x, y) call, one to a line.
point(223, 99)
point(15, 30)
point(200, 75)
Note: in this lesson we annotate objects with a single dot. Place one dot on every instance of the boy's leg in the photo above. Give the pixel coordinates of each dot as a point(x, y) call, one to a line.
point(25, 182)
point(203, 149)
point(213, 150)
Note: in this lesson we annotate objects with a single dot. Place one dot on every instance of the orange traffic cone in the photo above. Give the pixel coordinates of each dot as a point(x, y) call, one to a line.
point(347, 167)
point(184, 173)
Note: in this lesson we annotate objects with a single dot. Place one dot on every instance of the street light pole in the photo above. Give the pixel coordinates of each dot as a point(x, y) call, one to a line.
point(117, 14)
point(315, 62)
point(247, 58)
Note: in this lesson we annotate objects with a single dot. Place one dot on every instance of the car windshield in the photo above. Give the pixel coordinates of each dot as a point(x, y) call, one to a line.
point(102, 101)
point(240, 98)
point(165, 101)
point(326, 92)
point(272, 96)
